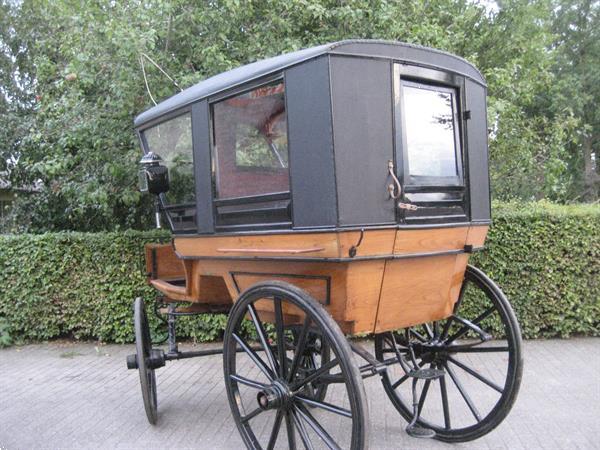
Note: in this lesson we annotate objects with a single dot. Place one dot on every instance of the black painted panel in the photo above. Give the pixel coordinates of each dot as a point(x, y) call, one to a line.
point(479, 186)
point(363, 137)
point(310, 144)
point(202, 167)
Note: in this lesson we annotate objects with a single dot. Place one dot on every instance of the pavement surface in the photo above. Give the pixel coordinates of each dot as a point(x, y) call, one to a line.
point(66, 395)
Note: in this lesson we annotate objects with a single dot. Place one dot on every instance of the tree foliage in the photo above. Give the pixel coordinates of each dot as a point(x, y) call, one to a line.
point(71, 83)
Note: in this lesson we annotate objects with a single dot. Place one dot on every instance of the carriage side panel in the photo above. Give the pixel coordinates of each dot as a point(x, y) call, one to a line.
point(310, 138)
point(363, 137)
point(479, 182)
point(201, 143)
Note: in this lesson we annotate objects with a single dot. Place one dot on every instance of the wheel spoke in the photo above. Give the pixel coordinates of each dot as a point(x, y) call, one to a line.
point(464, 394)
point(326, 406)
point(313, 376)
point(280, 337)
point(475, 349)
point(418, 335)
point(251, 415)
point(476, 374)
point(254, 357)
point(262, 336)
point(301, 345)
point(428, 330)
point(445, 405)
point(465, 329)
point(423, 395)
point(302, 431)
point(307, 416)
point(275, 430)
point(289, 426)
point(247, 382)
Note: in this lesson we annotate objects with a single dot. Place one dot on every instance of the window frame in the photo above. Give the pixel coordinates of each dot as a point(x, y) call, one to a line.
point(169, 208)
point(248, 199)
point(455, 185)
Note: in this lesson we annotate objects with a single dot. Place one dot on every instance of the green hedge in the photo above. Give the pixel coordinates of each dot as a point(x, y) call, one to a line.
point(545, 257)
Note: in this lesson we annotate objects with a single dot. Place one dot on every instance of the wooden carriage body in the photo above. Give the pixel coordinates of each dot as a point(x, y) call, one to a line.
point(355, 170)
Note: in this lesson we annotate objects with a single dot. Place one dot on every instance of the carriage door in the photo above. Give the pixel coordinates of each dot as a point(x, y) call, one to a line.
point(430, 185)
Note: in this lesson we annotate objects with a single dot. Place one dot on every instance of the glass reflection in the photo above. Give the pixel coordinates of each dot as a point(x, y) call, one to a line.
point(429, 122)
point(172, 140)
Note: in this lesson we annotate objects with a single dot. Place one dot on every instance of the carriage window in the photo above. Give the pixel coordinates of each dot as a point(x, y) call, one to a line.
point(431, 131)
point(172, 141)
point(250, 159)
point(250, 143)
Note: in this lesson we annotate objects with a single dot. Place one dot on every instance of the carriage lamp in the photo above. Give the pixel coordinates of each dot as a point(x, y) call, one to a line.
point(154, 178)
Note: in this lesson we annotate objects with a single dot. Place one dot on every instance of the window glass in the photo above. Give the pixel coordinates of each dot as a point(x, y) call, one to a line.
point(430, 121)
point(172, 141)
point(250, 143)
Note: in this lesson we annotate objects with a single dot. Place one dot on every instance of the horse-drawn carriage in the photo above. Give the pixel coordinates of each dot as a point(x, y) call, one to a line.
point(334, 191)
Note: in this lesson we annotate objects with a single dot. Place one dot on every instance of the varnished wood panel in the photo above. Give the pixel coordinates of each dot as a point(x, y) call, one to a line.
point(415, 291)
point(477, 235)
point(337, 272)
point(430, 240)
point(374, 242)
point(362, 296)
point(161, 259)
point(297, 245)
point(318, 286)
point(322, 245)
point(363, 289)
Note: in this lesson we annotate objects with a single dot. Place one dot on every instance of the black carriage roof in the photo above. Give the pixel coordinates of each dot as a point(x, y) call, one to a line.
point(409, 53)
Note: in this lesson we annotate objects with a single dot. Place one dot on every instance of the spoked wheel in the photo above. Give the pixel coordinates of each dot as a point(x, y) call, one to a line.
point(272, 386)
point(479, 350)
point(143, 347)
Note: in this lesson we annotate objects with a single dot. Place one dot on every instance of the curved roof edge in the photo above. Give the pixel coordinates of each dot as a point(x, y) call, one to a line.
point(411, 53)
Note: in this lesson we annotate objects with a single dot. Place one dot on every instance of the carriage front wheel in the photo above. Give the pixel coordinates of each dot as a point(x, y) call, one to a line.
point(276, 398)
point(478, 349)
point(143, 347)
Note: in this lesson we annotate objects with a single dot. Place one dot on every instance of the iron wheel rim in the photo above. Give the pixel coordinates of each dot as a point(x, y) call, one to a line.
point(143, 346)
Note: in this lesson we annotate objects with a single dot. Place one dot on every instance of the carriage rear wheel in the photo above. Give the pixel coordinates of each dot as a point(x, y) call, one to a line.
point(270, 384)
point(467, 401)
point(143, 347)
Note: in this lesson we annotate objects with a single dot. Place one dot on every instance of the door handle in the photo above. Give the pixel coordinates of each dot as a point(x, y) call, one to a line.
point(394, 189)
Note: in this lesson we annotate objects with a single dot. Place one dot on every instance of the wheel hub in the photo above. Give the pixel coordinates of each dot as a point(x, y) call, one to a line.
point(431, 352)
point(275, 396)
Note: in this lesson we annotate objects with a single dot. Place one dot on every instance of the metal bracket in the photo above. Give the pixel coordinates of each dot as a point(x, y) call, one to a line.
point(354, 248)
point(408, 206)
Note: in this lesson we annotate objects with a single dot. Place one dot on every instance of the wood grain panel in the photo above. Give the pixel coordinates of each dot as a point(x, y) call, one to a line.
point(458, 277)
point(162, 262)
point(476, 236)
point(317, 286)
point(415, 291)
point(363, 288)
point(374, 242)
point(312, 245)
point(431, 240)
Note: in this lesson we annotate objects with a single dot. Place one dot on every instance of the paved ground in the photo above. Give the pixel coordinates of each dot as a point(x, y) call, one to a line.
point(81, 396)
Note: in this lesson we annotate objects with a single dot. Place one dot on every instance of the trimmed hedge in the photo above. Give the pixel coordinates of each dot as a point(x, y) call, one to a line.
point(545, 257)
